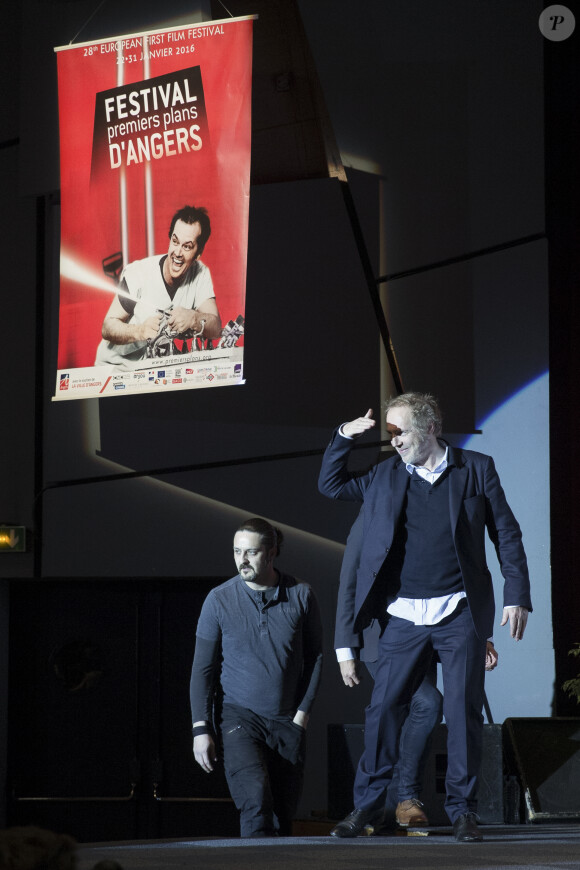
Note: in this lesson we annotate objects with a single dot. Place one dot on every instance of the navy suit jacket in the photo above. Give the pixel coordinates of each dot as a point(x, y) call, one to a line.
point(476, 502)
point(365, 643)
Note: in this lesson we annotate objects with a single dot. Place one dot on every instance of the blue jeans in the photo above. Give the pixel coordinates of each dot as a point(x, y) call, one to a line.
point(425, 713)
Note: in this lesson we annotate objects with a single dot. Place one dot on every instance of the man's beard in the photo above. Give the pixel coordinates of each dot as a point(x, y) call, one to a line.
point(245, 569)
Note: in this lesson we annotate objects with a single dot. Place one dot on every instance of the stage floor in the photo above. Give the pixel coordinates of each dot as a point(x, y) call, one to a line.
point(555, 845)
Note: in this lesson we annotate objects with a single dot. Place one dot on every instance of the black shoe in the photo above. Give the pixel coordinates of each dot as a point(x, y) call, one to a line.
point(466, 830)
point(356, 822)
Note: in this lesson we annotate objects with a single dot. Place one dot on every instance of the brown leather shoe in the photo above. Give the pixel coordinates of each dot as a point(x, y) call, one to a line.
point(409, 814)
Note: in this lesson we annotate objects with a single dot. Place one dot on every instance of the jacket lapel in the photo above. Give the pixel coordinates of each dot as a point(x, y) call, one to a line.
point(399, 481)
point(457, 485)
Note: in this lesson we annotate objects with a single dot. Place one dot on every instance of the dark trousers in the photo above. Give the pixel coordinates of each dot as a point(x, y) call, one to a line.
point(405, 651)
point(264, 767)
point(425, 712)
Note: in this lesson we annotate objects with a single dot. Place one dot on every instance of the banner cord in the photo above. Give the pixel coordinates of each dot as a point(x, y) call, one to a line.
point(102, 3)
point(92, 15)
point(226, 8)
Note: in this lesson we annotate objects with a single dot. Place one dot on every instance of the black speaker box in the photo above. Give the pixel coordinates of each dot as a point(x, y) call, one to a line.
point(491, 799)
point(544, 753)
point(345, 746)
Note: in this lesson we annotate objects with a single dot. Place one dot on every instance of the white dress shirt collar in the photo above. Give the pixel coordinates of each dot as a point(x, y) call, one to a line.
point(426, 473)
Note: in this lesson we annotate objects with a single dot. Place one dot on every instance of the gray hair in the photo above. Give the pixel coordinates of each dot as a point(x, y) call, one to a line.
point(426, 414)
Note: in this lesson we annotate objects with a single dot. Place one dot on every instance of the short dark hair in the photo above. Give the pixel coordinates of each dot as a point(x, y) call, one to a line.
point(426, 414)
point(272, 537)
point(189, 214)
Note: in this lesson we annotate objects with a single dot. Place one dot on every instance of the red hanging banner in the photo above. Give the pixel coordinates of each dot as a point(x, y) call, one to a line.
point(155, 177)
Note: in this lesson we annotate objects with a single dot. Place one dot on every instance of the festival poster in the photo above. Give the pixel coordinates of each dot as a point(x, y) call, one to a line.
point(155, 175)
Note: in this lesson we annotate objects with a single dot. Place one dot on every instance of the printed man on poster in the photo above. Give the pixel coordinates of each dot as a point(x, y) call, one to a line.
point(164, 302)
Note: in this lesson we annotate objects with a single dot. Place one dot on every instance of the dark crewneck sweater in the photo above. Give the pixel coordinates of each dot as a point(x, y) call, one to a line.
point(424, 548)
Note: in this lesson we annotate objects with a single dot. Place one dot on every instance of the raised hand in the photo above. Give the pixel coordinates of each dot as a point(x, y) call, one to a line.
point(357, 427)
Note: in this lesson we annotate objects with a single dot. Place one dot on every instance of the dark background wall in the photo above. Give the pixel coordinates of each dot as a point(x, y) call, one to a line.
point(447, 133)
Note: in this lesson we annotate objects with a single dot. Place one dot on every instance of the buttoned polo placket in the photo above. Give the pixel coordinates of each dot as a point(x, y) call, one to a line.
point(263, 606)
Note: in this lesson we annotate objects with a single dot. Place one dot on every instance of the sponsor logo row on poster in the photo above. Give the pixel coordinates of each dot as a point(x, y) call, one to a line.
point(209, 374)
